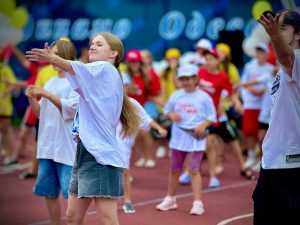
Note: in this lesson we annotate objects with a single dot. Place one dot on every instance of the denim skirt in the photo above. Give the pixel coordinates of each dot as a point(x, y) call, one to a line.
point(91, 179)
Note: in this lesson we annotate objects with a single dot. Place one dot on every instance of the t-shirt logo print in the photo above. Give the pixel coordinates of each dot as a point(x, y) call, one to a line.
point(275, 85)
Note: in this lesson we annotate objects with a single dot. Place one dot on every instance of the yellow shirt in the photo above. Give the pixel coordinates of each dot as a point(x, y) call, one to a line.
point(234, 78)
point(7, 77)
point(233, 74)
point(168, 84)
point(45, 74)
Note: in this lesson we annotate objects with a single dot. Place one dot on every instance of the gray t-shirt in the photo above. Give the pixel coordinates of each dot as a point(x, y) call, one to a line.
point(281, 146)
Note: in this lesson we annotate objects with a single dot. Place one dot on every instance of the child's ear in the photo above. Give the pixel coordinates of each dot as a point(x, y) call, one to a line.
point(114, 54)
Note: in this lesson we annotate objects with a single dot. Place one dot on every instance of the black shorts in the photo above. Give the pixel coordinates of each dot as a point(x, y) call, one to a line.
point(263, 126)
point(225, 130)
point(277, 197)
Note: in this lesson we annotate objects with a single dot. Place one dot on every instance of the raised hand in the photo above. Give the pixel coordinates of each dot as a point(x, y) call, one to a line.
point(40, 54)
point(270, 23)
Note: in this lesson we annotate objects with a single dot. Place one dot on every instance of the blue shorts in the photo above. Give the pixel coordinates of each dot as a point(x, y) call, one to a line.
point(53, 178)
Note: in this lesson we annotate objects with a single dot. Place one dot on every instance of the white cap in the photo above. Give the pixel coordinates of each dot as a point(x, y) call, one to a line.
point(262, 46)
point(204, 43)
point(187, 70)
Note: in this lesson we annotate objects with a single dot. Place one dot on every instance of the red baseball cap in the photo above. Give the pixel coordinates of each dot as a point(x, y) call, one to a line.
point(212, 52)
point(133, 55)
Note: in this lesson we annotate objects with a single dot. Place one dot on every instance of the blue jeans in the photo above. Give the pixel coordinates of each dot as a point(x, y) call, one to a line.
point(53, 178)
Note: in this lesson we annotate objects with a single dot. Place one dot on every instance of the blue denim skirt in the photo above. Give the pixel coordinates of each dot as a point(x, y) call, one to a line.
point(91, 179)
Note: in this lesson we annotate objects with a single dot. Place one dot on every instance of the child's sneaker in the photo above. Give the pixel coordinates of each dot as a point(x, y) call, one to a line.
point(169, 203)
point(185, 178)
point(161, 152)
point(197, 209)
point(256, 166)
point(214, 182)
point(140, 162)
point(128, 208)
point(150, 163)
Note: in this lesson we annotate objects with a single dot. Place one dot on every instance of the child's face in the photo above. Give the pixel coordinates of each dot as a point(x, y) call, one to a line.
point(134, 66)
point(212, 62)
point(100, 50)
point(261, 56)
point(189, 84)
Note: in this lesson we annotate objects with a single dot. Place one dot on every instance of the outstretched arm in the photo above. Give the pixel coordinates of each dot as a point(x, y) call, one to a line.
point(45, 54)
point(284, 52)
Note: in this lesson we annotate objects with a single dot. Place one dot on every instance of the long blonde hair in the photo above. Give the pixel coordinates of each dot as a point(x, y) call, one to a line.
point(129, 118)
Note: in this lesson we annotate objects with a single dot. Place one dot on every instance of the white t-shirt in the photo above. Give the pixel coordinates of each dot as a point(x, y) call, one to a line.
point(266, 106)
point(126, 143)
point(281, 146)
point(101, 98)
point(253, 71)
point(54, 135)
point(194, 108)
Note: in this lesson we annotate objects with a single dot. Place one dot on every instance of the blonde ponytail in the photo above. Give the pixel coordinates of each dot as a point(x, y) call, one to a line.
point(130, 119)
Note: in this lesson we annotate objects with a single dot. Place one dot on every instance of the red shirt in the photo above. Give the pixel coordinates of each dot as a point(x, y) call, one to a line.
point(33, 71)
point(214, 83)
point(142, 94)
point(154, 87)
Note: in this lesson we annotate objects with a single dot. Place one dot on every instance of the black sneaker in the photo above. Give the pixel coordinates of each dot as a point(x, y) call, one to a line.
point(27, 175)
point(128, 208)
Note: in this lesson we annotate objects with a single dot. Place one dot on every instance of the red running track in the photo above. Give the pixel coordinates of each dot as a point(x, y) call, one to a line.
point(230, 204)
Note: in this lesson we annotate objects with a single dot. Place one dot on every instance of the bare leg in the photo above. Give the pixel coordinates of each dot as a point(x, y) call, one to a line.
point(54, 210)
point(23, 137)
point(76, 210)
point(127, 186)
point(196, 185)
point(7, 136)
point(107, 210)
point(172, 183)
point(212, 145)
point(235, 146)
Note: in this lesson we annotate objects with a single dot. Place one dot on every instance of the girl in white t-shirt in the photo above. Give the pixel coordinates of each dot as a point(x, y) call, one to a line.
point(192, 111)
point(55, 149)
point(126, 143)
point(98, 169)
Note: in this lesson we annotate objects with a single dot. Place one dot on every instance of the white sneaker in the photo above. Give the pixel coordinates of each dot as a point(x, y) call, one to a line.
point(140, 162)
point(169, 203)
point(256, 166)
point(214, 182)
point(150, 163)
point(161, 152)
point(198, 208)
point(249, 162)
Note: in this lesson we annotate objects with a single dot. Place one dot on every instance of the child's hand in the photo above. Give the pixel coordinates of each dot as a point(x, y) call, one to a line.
point(40, 54)
point(200, 131)
point(163, 132)
point(175, 117)
point(35, 92)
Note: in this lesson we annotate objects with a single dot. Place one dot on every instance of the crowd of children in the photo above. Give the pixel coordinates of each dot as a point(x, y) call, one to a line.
point(190, 107)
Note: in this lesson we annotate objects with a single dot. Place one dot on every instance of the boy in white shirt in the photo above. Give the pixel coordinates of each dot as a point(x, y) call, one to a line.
point(192, 111)
point(277, 196)
point(252, 98)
